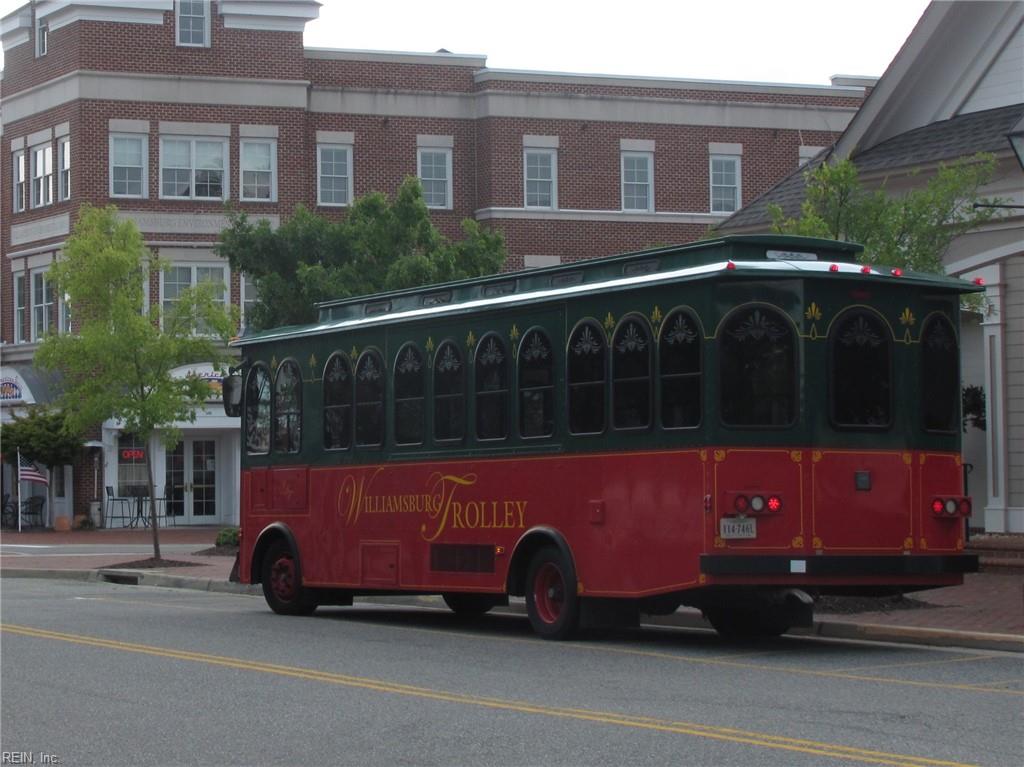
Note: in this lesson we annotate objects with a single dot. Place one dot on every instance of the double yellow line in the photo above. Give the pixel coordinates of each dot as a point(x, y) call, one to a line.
point(727, 734)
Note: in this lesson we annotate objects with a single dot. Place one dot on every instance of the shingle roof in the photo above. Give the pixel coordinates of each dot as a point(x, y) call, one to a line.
point(960, 136)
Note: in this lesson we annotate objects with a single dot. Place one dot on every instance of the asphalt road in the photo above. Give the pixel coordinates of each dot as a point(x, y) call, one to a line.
point(102, 674)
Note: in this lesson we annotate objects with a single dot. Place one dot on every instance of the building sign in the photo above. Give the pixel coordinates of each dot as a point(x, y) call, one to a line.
point(10, 389)
point(133, 454)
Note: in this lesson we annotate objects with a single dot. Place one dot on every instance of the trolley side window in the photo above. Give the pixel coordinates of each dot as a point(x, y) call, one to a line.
point(337, 403)
point(758, 386)
point(370, 400)
point(409, 390)
point(631, 375)
point(861, 371)
point(257, 411)
point(940, 371)
point(536, 386)
point(587, 379)
point(449, 393)
point(679, 356)
point(491, 388)
point(288, 408)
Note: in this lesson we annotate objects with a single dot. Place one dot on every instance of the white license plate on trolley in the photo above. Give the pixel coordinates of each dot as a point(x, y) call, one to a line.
point(737, 527)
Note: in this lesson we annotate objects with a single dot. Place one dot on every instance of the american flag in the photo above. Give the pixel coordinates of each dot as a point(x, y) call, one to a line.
point(29, 472)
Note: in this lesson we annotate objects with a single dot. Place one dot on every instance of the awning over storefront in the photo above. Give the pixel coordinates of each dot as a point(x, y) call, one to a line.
point(22, 385)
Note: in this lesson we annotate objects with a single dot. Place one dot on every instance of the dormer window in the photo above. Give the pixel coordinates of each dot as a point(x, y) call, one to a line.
point(193, 22)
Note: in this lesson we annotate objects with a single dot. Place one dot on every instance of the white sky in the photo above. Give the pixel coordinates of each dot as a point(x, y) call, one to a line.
point(790, 41)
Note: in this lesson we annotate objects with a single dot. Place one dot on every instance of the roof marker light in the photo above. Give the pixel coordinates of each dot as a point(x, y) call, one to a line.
point(730, 266)
point(897, 272)
point(865, 269)
point(979, 280)
point(834, 268)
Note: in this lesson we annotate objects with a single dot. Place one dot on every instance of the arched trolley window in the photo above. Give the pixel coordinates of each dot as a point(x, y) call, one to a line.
point(860, 385)
point(758, 369)
point(370, 399)
point(449, 393)
point(536, 385)
point(491, 369)
point(631, 374)
point(409, 390)
point(940, 373)
point(337, 403)
point(586, 366)
point(680, 362)
point(257, 410)
point(288, 408)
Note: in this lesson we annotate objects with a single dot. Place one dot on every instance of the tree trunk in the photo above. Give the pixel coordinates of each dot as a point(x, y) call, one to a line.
point(152, 502)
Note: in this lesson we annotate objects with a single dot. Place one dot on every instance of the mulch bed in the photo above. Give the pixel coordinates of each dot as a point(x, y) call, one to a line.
point(146, 564)
point(217, 551)
point(851, 605)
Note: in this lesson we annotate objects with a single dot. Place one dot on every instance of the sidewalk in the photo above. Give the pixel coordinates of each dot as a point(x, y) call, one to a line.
point(986, 612)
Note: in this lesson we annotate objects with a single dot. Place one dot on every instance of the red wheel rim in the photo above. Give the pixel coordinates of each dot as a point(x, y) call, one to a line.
point(282, 578)
point(549, 592)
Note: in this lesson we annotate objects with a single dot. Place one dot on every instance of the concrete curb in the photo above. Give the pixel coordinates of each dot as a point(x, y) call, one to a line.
point(685, 618)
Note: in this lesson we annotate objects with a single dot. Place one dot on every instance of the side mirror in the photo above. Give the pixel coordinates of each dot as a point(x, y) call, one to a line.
point(231, 386)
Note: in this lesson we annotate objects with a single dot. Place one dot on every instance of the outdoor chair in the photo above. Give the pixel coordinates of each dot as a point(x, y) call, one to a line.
point(32, 511)
point(118, 507)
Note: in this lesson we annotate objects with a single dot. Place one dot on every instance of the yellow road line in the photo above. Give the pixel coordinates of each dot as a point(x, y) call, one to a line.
point(726, 734)
point(962, 659)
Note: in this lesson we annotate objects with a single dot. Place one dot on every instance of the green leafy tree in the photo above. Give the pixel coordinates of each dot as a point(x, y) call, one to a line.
point(45, 436)
point(118, 364)
point(911, 229)
point(380, 245)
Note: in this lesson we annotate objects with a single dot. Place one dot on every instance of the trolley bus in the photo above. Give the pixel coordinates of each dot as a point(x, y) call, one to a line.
point(737, 425)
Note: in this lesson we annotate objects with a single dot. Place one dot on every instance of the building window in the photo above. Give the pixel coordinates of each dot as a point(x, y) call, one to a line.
point(193, 168)
point(334, 174)
point(250, 296)
point(193, 18)
point(449, 393)
point(42, 37)
point(19, 308)
point(679, 357)
point(42, 305)
point(758, 369)
point(132, 475)
point(860, 367)
point(288, 408)
point(637, 181)
point(20, 182)
point(940, 371)
point(337, 403)
point(435, 172)
point(586, 371)
point(631, 375)
point(540, 168)
point(128, 161)
point(65, 313)
point(64, 168)
point(410, 388)
point(259, 170)
point(178, 278)
point(370, 400)
point(725, 184)
point(491, 388)
point(536, 386)
point(42, 176)
point(257, 411)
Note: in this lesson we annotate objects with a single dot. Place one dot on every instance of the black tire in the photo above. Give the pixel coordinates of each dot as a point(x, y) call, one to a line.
point(740, 623)
point(552, 603)
point(470, 604)
point(282, 584)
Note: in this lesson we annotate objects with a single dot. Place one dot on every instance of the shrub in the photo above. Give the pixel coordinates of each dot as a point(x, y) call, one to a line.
point(228, 537)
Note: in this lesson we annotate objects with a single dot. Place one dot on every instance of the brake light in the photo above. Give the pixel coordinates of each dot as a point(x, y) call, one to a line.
point(938, 506)
point(774, 503)
point(965, 507)
point(951, 507)
point(741, 504)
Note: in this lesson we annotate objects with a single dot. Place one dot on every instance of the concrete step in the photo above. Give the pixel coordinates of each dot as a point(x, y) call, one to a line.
point(998, 553)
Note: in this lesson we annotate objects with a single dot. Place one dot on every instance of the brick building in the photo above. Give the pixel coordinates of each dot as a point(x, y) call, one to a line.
point(171, 109)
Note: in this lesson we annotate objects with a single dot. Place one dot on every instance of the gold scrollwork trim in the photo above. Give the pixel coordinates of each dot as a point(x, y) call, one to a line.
point(817, 543)
point(797, 456)
point(908, 544)
point(719, 542)
point(798, 542)
point(719, 456)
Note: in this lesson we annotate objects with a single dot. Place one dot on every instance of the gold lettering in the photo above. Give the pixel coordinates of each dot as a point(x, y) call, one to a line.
point(521, 508)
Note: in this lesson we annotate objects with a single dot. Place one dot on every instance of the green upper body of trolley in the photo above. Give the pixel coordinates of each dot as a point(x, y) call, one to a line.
point(808, 284)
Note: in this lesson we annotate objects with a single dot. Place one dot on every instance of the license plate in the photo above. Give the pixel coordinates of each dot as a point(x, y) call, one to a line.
point(733, 527)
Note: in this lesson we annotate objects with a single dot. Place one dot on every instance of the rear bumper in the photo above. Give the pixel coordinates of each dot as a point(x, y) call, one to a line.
point(838, 566)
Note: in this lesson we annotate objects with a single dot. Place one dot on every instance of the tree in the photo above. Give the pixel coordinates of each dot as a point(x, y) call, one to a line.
point(42, 435)
point(380, 245)
point(118, 364)
point(912, 230)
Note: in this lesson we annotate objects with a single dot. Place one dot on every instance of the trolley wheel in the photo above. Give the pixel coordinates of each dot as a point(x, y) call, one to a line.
point(740, 623)
point(551, 599)
point(282, 586)
point(469, 604)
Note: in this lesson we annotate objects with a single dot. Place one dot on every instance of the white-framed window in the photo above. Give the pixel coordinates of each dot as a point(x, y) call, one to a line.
point(193, 168)
point(333, 174)
point(65, 313)
point(42, 37)
point(540, 176)
point(179, 277)
point(434, 167)
point(192, 18)
point(638, 181)
point(42, 305)
point(19, 308)
point(258, 160)
point(20, 176)
point(42, 175)
point(249, 297)
point(725, 183)
point(64, 168)
point(129, 155)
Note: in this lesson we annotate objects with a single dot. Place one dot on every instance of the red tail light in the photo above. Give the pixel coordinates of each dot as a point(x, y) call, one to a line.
point(938, 506)
point(774, 503)
point(741, 504)
point(965, 507)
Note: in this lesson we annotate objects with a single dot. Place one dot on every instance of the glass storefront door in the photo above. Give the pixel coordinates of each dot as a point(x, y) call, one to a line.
point(190, 484)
